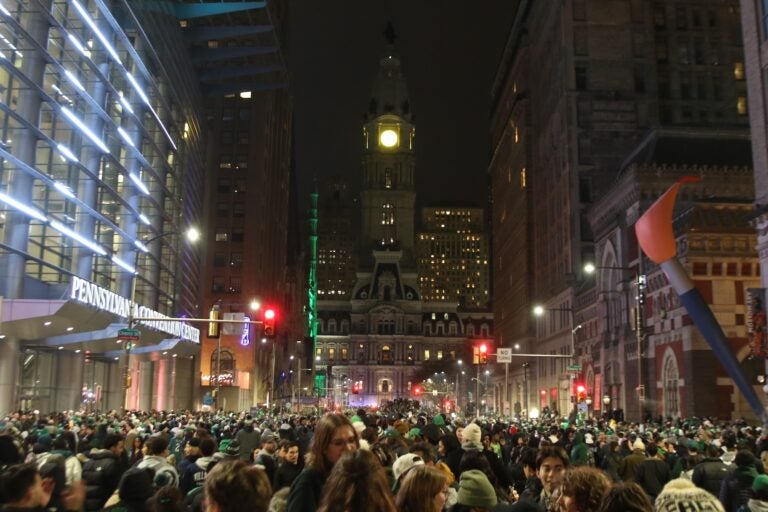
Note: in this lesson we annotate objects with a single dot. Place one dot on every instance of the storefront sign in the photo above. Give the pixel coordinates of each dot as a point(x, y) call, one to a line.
point(100, 298)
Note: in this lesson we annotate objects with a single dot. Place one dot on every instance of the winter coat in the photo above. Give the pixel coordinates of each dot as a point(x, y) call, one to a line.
point(736, 488)
point(628, 466)
point(579, 453)
point(652, 475)
point(165, 473)
point(709, 475)
point(101, 473)
point(285, 475)
point(611, 464)
point(306, 491)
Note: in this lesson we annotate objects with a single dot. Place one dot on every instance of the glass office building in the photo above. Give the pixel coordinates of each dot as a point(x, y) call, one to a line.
point(101, 170)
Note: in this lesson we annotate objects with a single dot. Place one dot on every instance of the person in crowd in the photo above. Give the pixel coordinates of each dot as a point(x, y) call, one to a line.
point(425, 450)
point(138, 450)
point(357, 482)
point(234, 486)
point(73, 467)
point(476, 494)
point(628, 467)
point(551, 464)
point(424, 489)
point(449, 451)
point(758, 500)
point(167, 499)
point(267, 457)
point(476, 460)
point(22, 488)
point(10, 452)
point(156, 459)
point(102, 471)
point(579, 452)
point(453, 485)
point(191, 454)
point(583, 489)
point(334, 436)
point(681, 495)
point(625, 497)
point(194, 473)
point(248, 438)
point(289, 467)
point(134, 492)
point(653, 473)
point(711, 471)
point(472, 442)
point(736, 488)
point(611, 461)
point(402, 465)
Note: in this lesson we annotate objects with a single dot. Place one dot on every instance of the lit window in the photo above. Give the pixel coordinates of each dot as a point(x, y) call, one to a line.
point(738, 70)
point(741, 105)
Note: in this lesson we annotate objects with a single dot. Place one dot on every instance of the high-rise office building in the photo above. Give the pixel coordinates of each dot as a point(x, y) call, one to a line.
point(452, 251)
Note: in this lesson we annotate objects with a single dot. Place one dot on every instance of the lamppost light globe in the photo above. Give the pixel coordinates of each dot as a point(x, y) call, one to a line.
point(255, 305)
point(193, 234)
point(589, 268)
point(538, 310)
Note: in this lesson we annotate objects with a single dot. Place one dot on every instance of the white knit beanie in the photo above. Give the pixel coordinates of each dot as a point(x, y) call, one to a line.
point(681, 495)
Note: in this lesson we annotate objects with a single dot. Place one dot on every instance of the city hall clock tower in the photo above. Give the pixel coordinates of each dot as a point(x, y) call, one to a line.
point(388, 188)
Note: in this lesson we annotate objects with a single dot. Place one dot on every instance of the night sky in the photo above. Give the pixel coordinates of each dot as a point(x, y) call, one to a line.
point(449, 52)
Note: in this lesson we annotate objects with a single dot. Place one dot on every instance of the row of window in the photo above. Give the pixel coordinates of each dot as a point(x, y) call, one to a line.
point(385, 354)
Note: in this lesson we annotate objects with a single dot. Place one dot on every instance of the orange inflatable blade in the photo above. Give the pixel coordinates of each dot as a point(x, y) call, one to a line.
point(654, 228)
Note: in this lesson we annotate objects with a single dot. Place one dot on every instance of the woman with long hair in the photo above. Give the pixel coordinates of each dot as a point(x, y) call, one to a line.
point(625, 497)
point(357, 482)
point(425, 489)
point(334, 436)
point(583, 489)
point(232, 485)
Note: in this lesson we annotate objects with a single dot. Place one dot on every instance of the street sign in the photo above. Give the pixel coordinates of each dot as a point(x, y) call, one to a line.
point(574, 367)
point(503, 355)
point(128, 334)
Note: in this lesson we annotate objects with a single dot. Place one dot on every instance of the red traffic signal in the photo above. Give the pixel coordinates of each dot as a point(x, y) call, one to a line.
point(417, 390)
point(480, 353)
point(269, 318)
point(357, 387)
point(581, 392)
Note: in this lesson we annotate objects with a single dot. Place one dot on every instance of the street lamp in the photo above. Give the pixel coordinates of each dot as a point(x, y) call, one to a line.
point(640, 283)
point(192, 234)
point(539, 310)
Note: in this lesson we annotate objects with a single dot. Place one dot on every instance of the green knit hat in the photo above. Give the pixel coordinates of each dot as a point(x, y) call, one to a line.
point(475, 490)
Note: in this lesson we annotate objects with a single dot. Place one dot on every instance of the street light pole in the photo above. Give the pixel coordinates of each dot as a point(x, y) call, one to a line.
point(193, 235)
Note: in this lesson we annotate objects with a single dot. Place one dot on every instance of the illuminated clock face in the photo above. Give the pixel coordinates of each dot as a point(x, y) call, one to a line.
point(388, 138)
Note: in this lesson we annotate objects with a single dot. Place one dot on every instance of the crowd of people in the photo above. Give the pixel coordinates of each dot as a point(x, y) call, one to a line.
point(368, 461)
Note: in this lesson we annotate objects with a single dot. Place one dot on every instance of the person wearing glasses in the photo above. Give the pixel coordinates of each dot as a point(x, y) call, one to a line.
point(334, 436)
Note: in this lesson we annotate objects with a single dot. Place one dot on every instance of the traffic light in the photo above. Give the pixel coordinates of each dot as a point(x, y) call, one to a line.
point(213, 327)
point(357, 387)
point(581, 392)
point(480, 353)
point(483, 353)
point(417, 390)
point(270, 316)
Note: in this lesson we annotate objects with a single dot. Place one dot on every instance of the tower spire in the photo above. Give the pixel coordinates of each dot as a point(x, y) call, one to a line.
point(389, 33)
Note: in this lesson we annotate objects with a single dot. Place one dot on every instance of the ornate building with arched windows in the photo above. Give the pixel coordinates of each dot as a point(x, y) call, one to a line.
point(381, 334)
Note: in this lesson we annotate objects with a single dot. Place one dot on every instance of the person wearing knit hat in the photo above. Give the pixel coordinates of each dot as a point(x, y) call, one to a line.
point(758, 502)
point(476, 491)
point(680, 495)
point(472, 437)
point(630, 463)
